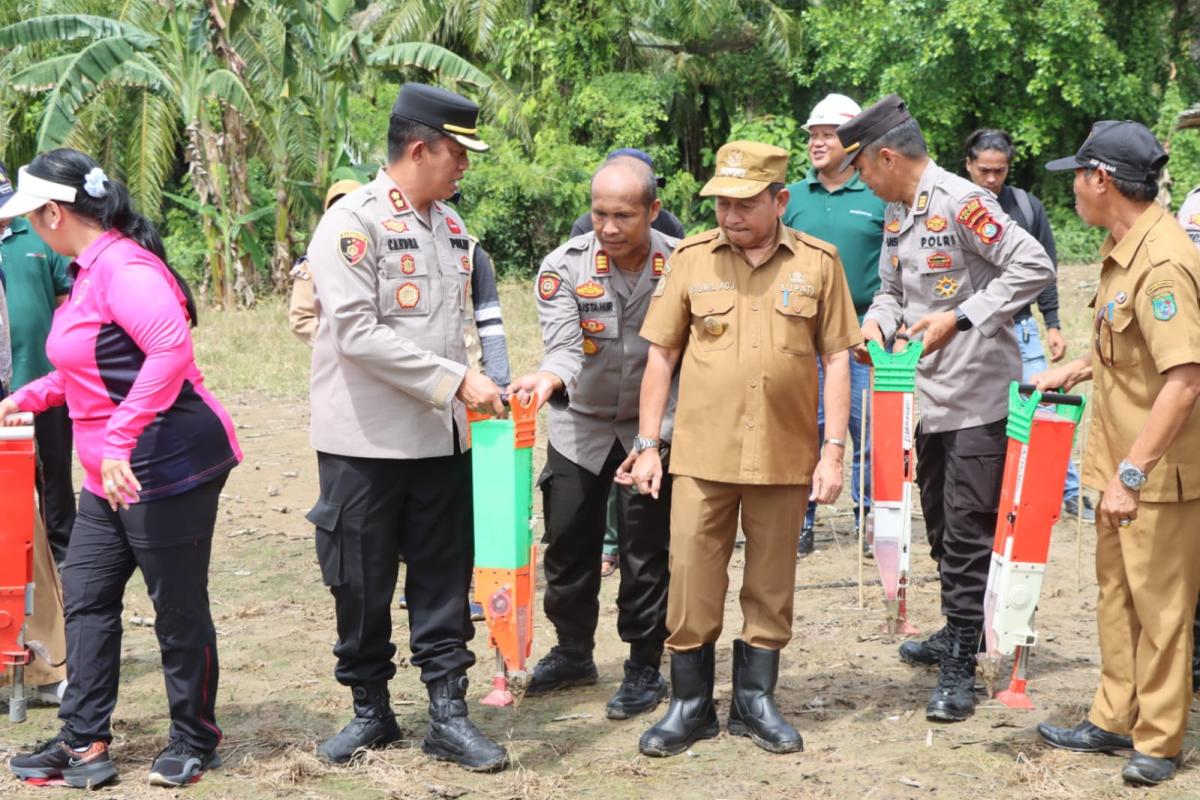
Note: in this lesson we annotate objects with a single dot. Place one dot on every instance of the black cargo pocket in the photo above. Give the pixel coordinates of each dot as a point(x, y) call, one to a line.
point(976, 483)
point(325, 516)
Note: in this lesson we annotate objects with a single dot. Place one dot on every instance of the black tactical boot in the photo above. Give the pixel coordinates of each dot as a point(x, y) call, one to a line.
point(452, 736)
point(927, 652)
point(692, 715)
point(953, 698)
point(561, 668)
point(643, 688)
point(752, 710)
point(374, 725)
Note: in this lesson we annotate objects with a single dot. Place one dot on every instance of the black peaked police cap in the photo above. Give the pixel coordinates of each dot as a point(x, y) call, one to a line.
point(1124, 149)
point(870, 124)
point(445, 112)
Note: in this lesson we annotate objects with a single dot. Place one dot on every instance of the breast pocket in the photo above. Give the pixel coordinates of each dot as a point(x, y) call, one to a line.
point(406, 297)
point(792, 324)
point(945, 278)
point(1115, 339)
point(713, 321)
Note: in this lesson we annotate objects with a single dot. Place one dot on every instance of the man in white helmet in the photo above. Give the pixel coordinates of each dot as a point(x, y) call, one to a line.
point(835, 205)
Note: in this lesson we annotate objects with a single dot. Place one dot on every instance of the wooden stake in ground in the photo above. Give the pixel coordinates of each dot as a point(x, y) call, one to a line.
point(862, 488)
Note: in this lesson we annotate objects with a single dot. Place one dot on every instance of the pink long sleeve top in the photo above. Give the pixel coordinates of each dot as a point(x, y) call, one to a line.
point(124, 366)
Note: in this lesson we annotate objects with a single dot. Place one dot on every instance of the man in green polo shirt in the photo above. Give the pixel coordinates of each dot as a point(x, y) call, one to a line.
point(37, 284)
point(839, 208)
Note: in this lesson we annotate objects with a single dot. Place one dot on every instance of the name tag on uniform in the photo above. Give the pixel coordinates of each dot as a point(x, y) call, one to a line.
point(700, 288)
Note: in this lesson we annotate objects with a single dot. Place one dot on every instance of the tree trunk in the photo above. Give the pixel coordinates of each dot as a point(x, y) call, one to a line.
point(199, 152)
point(245, 277)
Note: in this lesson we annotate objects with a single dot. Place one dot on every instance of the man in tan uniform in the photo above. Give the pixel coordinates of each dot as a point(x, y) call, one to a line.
point(744, 310)
point(390, 389)
point(592, 296)
point(1143, 453)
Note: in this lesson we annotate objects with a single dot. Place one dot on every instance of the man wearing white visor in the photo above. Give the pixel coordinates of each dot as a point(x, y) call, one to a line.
point(835, 205)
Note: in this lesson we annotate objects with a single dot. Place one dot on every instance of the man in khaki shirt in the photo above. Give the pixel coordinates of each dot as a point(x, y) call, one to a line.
point(743, 310)
point(1143, 453)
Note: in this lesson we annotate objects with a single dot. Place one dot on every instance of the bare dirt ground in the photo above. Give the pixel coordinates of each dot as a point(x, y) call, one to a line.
point(859, 709)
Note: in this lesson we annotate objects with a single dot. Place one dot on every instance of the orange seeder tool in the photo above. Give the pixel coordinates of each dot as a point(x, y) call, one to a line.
point(16, 554)
point(893, 469)
point(1035, 468)
point(505, 555)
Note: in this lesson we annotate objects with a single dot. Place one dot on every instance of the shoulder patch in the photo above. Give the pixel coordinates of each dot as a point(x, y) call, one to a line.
point(975, 216)
point(548, 283)
point(699, 238)
point(353, 246)
point(1164, 306)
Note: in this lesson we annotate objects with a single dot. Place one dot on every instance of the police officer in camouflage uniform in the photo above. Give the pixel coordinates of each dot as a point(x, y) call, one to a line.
point(390, 390)
point(953, 268)
point(592, 294)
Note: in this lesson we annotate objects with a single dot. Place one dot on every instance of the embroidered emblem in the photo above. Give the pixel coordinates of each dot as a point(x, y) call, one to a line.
point(936, 224)
point(592, 325)
point(408, 264)
point(895, 262)
point(399, 204)
point(466, 264)
point(395, 225)
point(601, 262)
point(590, 348)
point(946, 286)
point(548, 285)
point(893, 226)
point(1158, 286)
point(353, 246)
point(1164, 306)
point(452, 225)
point(975, 216)
point(939, 260)
point(408, 295)
point(590, 290)
point(1122, 297)
point(659, 263)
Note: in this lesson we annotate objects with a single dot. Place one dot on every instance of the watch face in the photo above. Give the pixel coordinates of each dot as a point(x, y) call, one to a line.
point(1132, 477)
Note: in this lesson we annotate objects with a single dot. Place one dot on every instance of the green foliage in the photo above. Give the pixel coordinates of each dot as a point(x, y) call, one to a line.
point(1075, 242)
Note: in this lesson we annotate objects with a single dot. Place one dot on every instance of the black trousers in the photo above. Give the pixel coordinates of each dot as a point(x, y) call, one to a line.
point(56, 490)
point(960, 474)
point(372, 510)
point(106, 547)
point(574, 503)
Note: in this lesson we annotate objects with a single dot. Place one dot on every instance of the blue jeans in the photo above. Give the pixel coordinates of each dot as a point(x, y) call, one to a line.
point(1033, 361)
point(860, 379)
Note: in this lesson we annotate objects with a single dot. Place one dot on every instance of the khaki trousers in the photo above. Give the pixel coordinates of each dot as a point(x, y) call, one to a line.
point(46, 623)
point(704, 523)
point(1149, 576)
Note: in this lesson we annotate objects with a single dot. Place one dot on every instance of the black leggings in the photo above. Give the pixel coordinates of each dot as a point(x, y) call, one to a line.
point(105, 548)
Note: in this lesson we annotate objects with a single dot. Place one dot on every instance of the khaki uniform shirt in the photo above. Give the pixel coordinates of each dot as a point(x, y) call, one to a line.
point(1189, 215)
point(591, 320)
point(956, 248)
point(1147, 321)
point(389, 353)
point(747, 409)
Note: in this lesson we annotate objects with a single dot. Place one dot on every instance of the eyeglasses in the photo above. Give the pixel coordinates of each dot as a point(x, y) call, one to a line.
point(1104, 334)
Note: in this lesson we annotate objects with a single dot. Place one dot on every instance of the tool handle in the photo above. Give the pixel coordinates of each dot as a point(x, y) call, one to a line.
point(23, 429)
point(1052, 398)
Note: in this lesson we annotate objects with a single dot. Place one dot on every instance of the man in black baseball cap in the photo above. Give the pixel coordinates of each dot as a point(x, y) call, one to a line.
point(1145, 366)
point(445, 112)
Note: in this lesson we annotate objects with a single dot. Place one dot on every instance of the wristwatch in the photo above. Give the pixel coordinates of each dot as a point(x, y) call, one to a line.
point(1133, 478)
point(641, 443)
point(961, 321)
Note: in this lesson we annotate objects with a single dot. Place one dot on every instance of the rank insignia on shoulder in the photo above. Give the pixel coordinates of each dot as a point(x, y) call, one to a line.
point(353, 246)
point(590, 290)
point(395, 226)
point(922, 201)
point(601, 262)
point(590, 348)
point(408, 295)
point(893, 226)
point(659, 262)
point(548, 284)
point(946, 286)
point(452, 225)
point(408, 264)
point(399, 204)
point(1164, 306)
point(939, 260)
point(592, 325)
point(1194, 220)
point(936, 223)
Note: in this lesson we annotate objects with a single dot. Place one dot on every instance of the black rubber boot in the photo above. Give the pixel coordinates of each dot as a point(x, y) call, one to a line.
point(692, 714)
point(752, 710)
point(953, 698)
point(927, 652)
point(1196, 651)
point(452, 736)
point(562, 668)
point(374, 725)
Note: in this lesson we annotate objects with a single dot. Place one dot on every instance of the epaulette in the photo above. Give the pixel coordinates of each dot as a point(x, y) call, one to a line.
point(812, 241)
point(581, 242)
point(699, 238)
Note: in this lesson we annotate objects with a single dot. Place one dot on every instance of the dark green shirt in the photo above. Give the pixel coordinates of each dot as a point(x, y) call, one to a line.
point(851, 219)
point(37, 276)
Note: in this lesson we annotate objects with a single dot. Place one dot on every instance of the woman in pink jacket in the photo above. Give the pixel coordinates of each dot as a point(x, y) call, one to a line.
point(156, 448)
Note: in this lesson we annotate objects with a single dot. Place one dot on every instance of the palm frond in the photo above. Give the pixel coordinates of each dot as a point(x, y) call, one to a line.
point(150, 155)
point(78, 80)
point(64, 27)
point(434, 58)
